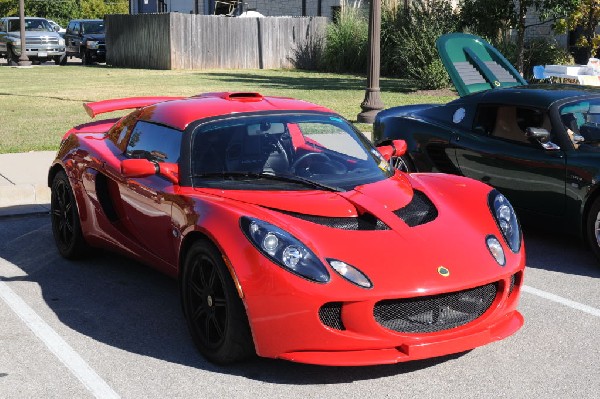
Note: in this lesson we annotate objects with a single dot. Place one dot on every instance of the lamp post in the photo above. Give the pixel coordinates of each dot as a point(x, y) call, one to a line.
point(23, 59)
point(372, 103)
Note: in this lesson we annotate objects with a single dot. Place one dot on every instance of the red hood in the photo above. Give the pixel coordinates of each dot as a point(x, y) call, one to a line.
point(391, 194)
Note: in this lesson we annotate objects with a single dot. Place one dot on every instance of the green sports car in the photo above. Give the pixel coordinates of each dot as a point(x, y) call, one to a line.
point(537, 144)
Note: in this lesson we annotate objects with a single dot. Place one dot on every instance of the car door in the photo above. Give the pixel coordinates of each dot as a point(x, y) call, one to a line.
point(497, 152)
point(147, 201)
point(71, 38)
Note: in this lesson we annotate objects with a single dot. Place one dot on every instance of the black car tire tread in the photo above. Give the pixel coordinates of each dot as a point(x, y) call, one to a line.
point(591, 227)
point(236, 342)
point(64, 214)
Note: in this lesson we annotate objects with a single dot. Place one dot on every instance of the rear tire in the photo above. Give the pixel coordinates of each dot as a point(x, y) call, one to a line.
point(213, 310)
point(66, 226)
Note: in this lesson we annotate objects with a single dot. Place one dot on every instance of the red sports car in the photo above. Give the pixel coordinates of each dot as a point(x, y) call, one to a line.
point(290, 234)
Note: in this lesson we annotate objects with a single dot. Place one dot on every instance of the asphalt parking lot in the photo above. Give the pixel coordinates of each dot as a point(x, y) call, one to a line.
point(109, 327)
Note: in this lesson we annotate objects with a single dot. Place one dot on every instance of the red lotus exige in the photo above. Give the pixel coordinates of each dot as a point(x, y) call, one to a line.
point(290, 234)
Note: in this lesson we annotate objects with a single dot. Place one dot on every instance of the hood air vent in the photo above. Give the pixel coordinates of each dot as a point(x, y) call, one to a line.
point(366, 221)
point(418, 211)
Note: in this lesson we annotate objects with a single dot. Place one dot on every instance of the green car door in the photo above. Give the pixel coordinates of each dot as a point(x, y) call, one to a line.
point(497, 152)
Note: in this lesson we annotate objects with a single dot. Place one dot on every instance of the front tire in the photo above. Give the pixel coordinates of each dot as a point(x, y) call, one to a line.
point(66, 226)
point(403, 163)
point(213, 310)
point(85, 57)
point(593, 228)
point(13, 59)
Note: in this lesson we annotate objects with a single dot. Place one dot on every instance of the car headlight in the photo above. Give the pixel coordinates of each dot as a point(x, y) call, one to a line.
point(284, 249)
point(92, 45)
point(350, 273)
point(61, 42)
point(496, 249)
point(506, 219)
point(16, 42)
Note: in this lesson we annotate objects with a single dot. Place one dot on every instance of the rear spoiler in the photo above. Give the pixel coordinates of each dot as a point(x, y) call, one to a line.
point(117, 104)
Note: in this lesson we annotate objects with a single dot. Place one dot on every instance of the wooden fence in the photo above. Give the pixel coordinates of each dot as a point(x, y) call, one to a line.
point(188, 41)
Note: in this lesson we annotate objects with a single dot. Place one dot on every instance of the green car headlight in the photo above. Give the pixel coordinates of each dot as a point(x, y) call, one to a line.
point(284, 249)
point(506, 219)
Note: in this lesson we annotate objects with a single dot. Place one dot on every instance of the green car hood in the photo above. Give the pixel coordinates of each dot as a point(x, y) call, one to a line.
point(475, 65)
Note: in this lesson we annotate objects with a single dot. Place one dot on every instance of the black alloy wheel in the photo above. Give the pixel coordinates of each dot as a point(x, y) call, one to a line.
point(66, 227)
point(402, 163)
point(212, 307)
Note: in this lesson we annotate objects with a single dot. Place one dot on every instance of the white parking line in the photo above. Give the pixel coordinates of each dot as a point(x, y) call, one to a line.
point(58, 346)
point(562, 301)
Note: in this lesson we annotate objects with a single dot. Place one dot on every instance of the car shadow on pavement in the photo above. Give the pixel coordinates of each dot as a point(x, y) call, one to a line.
point(129, 306)
point(559, 253)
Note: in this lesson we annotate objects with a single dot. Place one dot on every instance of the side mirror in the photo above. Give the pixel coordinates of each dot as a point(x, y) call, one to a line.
point(394, 148)
point(541, 136)
point(56, 28)
point(145, 168)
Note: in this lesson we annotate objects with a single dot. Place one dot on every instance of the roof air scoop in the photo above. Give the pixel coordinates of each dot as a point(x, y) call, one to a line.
point(244, 96)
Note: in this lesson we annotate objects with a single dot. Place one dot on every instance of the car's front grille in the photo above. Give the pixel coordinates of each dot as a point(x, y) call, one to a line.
point(419, 210)
point(41, 40)
point(331, 315)
point(435, 313)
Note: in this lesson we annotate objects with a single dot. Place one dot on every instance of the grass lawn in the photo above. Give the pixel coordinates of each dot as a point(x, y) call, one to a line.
point(38, 105)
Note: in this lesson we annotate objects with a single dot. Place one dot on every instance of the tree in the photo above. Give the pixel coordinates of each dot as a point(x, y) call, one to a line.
point(586, 17)
point(485, 16)
point(62, 11)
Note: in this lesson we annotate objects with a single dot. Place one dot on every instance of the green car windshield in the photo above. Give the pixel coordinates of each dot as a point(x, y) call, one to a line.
point(284, 152)
point(582, 118)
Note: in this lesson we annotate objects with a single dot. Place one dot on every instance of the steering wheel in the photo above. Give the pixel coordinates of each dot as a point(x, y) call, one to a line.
point(323, 164)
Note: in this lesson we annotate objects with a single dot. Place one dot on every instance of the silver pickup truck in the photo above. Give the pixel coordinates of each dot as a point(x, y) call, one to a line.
point(42, 42)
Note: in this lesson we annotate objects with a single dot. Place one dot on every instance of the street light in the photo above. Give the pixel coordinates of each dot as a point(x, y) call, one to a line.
point(23, 59)
point(372, 103)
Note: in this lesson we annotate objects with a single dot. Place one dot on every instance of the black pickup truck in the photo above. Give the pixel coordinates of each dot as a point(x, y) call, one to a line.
point(85, 39)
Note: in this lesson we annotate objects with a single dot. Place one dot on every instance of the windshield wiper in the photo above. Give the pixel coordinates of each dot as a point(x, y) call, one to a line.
point(272, 176)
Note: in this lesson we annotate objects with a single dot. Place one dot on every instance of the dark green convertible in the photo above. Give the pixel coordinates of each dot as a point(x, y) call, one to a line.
point(537, 144)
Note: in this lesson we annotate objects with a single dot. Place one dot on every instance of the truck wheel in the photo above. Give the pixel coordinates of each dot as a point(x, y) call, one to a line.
point(13, 59)
point(85, 58)
point(60, 60)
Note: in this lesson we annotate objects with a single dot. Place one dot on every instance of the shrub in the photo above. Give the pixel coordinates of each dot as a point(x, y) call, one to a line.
point(346, 43)
point(309, 55)
point(539, 51)
point(408, 41)
point(435, 76)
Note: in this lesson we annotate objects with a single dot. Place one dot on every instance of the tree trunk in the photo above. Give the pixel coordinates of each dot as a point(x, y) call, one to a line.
point(521, 35)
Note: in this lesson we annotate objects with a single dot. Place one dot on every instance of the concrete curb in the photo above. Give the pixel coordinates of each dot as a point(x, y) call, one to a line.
point(23, 186)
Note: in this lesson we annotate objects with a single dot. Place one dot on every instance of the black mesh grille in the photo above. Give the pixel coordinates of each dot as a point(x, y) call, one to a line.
point(435, 313)
point(419, 210)
point(513, 280)
point(366, 221)
point(331, 315)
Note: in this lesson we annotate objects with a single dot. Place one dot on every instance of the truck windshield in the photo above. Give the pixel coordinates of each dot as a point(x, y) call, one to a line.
point(39, 25)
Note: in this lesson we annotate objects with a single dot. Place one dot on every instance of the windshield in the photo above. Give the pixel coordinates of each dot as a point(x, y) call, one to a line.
point(284, 152)
point(39, 25)
point(92, 27)
point(581, 119)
